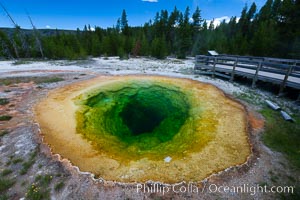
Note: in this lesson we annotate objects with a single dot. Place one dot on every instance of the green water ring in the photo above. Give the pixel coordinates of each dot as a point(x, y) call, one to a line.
point(136, 119)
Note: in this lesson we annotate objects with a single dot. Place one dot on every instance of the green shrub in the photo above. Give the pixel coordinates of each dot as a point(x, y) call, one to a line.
point(59, 186)
point(2, 133)
point(5, 184)
point(4, 101)
point(5, 172)
point(5, 118)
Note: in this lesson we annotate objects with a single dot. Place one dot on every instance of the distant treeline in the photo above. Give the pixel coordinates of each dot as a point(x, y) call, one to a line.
point(273, 31)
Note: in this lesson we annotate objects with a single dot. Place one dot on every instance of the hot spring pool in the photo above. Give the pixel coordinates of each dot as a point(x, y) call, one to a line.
point(139, 128)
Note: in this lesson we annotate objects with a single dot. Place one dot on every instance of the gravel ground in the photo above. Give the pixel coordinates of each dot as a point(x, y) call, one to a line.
point(28, 163)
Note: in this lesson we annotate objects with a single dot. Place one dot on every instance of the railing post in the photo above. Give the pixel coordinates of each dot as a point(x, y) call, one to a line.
point(233, 70)
point(256, 74)
point(283, 84)
point(214, 67)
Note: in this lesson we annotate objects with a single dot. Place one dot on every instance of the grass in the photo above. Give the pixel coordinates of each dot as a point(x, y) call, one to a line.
point(36, 192)
point(6, 172)
point(48, 80)
point(28, 164)
point(3, 197)
point(282, 136)
point(37, 80)
point(4, 101)
point(250, 97)
point(21, 62)
point(44, 180)
point(5, 118)
point(40, 189)
point(2, 133)
point(291, 178)
point(24, 183)
point(59, 186)
point(11, 157)
point(279, 135)
point(17, 160)
point(274, 179)
point(5, 184)
point(263, 184)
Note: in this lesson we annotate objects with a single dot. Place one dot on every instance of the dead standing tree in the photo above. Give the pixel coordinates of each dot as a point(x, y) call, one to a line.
point(12, 41)
point(19, 33)
point(37, 36)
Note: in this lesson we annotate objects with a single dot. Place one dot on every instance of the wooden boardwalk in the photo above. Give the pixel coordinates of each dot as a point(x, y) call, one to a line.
point(283, 72)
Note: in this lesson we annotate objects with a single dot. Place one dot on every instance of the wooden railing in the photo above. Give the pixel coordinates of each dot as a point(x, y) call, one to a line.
point(284, 72)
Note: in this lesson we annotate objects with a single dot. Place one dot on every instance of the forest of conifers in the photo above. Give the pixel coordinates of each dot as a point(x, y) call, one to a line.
point(272, 31)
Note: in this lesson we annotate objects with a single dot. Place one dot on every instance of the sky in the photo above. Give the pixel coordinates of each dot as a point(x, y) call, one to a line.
point(75, 14)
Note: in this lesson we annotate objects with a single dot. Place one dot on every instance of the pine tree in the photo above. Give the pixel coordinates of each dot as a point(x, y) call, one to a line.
point(124, 23)
point(185, 36)
point(197, 20)
point(144, 51)
point(211, 25)
point(118, 26)
point(96, 45)
point(171, 36)
point(272, 31)
point(288, 27)
point(243, 22)
point(159, 48)
point(6, 49)
point(264, 40)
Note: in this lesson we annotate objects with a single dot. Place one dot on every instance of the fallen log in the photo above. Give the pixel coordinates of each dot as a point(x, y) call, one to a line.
point(286, 116)
point(272, 105)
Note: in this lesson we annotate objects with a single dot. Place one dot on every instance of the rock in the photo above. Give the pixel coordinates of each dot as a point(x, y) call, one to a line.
point(167, 159)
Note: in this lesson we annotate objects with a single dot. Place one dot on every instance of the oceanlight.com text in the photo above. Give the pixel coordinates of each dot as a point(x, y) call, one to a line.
point(250, 189)
point(212, 188)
